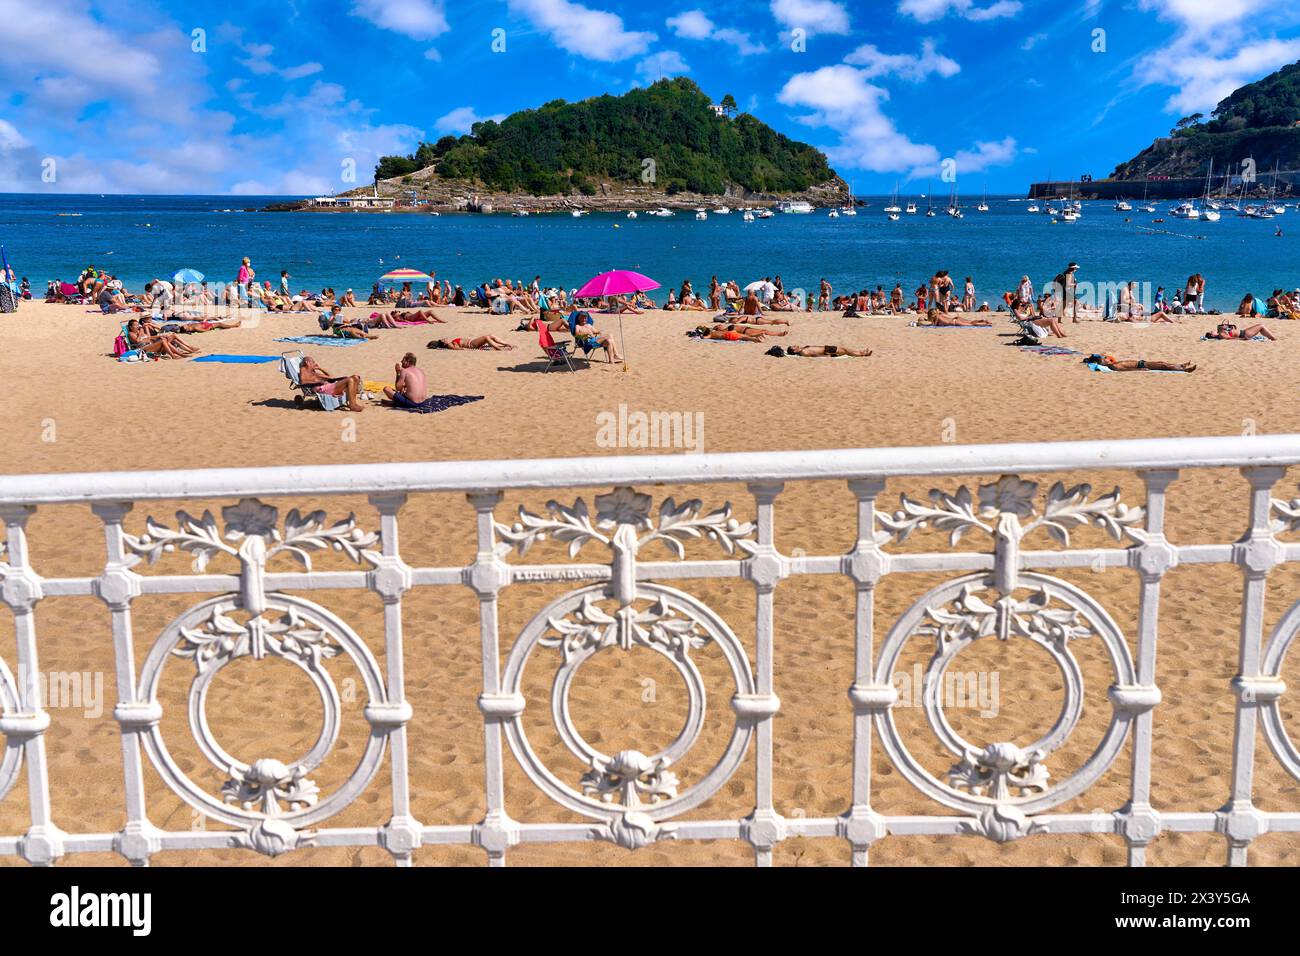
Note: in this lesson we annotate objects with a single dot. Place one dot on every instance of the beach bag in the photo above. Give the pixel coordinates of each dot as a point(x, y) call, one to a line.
point(8, 300)
point(120, 346)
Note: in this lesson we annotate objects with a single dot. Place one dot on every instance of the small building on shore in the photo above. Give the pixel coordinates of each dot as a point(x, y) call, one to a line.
point(351, 202)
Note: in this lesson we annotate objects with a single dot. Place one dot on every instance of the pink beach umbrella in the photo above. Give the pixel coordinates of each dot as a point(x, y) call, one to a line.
point(618, 282)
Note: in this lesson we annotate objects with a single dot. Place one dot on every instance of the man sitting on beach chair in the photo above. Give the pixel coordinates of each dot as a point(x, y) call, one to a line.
point(322, 384)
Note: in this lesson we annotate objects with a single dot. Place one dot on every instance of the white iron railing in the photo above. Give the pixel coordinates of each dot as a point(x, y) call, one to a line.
point(998, 790)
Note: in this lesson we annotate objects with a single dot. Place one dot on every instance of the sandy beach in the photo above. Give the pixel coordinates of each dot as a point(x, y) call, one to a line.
point(75, 409)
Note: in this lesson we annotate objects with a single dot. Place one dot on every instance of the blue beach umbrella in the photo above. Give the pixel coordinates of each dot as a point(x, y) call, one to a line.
point(186, 276)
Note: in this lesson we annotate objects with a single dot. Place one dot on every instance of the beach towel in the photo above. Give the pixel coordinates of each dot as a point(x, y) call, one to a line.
point(1254, 338)
point(1049, 350)
point(239, 359)
point(321, 340)
point(440, 403)
point(1101, 368)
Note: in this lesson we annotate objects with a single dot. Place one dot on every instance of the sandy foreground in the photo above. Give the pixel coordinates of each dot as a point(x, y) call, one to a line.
point(73, 408)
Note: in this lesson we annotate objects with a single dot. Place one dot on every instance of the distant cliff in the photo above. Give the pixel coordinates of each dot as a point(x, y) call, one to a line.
point(1260, 121)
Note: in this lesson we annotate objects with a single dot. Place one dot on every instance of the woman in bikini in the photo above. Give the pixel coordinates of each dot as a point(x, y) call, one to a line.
point(826, 351)
point(735, 333)
point(940, 320)
point(486, 342)
point(166, 343)
point(1227, 330)
point(968, 300)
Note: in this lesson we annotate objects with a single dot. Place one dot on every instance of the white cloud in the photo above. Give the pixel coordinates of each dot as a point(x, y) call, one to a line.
point(1033, 41)
point(662, 65)
point(298, 72)
point(594, 34)
point(695, 25)
point(984, 156)
point(462, 120)
point(1199, 16)
point(812, 16)
point(841, 99)
point(927, 11)
point(874, 63)
point(417, 19)
point(1205, 80)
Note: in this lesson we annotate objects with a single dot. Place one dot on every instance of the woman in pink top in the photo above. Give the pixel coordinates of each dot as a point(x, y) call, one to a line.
point(246, 275)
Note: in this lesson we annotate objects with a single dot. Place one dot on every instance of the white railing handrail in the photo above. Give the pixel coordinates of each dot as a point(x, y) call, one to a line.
point(833, 464)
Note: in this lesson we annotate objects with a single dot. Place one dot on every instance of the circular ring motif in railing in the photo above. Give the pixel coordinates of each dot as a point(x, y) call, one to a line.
point(955, 615)
point(12, 759)
point(294, 630)
point(1275, 651)
point(666, 621)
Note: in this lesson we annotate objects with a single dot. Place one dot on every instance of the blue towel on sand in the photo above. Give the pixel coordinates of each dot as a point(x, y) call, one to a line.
point(239, 359)
point(321, 340)
point(440, 403)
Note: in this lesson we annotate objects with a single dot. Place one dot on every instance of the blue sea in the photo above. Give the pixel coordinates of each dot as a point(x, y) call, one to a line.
point(139, 237)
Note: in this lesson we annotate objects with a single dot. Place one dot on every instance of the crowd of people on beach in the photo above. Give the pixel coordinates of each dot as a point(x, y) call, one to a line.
point(157, 317)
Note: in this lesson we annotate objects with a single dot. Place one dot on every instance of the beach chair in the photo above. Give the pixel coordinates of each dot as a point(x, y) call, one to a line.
point(559, 353)
point(1027, 327)
point(291, 366)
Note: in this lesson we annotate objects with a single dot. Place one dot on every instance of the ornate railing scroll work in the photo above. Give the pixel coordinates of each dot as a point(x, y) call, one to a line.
point(256, 591)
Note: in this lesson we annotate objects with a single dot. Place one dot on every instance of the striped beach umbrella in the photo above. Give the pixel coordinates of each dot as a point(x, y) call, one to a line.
point(398, 276)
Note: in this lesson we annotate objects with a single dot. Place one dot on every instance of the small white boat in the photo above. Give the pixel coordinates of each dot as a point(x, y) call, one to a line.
point(911, 209)
point(795, 208)
point(722, 211)
point(517, 214)
point(1032, 207)
point(578, 213)
point(1185, 210)
point(1148, 208)
point(893, 217)
point(632, 214)
point(982, 207)
point(1123, 206)
point(701, 215)
point(749, 216)
point(764, 214)
point(893, 206)
point(833, 214)
point(1278, 210)
point(1070, 215)
point(956, 212)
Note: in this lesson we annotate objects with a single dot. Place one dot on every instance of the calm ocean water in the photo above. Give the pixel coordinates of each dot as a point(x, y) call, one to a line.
point(139, 237)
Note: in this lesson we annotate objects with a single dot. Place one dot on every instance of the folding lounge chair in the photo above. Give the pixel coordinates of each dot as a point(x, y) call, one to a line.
point(559, 353)
point(291, 366)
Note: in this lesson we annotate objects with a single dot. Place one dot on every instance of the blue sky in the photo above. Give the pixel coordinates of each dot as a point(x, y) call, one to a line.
point(292, 96)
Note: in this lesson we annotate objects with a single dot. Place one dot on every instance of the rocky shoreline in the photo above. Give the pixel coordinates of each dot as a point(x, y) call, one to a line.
point(430, 194)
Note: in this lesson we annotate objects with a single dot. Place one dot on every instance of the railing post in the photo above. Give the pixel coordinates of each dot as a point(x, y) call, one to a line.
point(766, 568)
point(117, 587)
point(1154, 557)
point(391, 579)
point(866, 564)
point(486, 577)
point(21, 590)
point(1257, 552)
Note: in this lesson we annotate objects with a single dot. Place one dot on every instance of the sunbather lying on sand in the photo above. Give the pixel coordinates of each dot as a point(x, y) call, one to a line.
point(187, 327)
point(1227, 330)
point(487, 342)
point(165, 343)
point(347, 388)
point(394, 320)
point(735, 333)
point(825, 351)
point(758, 320)
point(746, 326)
point(947, 320)
point(1137, 365)
point(621, 305)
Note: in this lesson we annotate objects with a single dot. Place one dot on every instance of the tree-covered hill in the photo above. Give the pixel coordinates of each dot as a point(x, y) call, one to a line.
point(666, 135)
point(1257, 121)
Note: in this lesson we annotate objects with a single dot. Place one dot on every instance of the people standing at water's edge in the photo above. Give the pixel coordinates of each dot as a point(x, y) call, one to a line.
point(244, 277)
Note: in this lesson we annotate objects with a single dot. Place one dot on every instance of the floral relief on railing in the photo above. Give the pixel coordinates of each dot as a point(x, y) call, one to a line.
point(630, 793)
point(1001, 784)
point(272, 802)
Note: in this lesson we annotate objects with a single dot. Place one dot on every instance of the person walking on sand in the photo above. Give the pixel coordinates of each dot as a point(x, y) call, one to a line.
point(246, 276)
